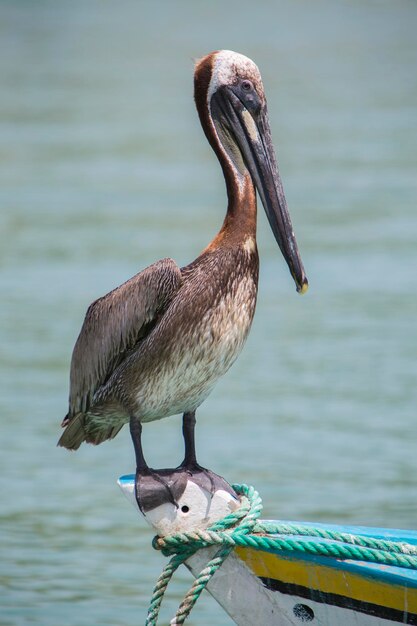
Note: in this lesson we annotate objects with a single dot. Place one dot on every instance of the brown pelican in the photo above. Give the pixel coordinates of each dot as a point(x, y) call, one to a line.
point(156, 345)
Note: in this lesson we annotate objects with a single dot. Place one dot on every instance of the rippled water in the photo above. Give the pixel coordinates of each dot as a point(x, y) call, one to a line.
point(104, 169)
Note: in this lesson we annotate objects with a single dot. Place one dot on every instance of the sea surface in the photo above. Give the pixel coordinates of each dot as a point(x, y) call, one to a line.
point(103, 170)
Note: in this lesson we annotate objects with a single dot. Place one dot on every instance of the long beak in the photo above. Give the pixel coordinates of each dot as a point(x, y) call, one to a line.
point(253, 136)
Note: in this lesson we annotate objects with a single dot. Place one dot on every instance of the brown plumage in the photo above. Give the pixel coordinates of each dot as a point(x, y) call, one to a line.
point(156, 345)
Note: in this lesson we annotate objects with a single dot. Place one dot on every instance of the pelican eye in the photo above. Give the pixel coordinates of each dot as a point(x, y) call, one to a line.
point(247, 85)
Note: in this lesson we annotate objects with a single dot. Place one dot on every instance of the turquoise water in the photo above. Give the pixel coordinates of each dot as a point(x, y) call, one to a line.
point(104, 169)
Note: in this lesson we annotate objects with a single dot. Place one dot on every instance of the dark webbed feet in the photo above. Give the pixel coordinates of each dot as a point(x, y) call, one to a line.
point(154, 488)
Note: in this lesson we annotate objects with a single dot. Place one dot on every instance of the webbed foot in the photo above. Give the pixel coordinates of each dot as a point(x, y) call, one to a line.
point(205, 478)
point(156, 487)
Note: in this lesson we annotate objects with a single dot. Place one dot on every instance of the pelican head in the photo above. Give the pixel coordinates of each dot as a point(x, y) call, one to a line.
point(231, 103)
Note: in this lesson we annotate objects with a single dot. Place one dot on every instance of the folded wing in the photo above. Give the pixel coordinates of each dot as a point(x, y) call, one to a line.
point(113, 326)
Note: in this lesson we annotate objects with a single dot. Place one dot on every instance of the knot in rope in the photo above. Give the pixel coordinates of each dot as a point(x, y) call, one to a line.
point(183, 545)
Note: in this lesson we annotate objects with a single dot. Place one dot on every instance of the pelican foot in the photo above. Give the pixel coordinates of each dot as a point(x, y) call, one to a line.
point(154, 488)
point(205, 478)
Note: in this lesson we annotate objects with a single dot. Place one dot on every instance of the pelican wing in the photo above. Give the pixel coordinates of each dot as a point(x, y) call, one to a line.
point(112, 327)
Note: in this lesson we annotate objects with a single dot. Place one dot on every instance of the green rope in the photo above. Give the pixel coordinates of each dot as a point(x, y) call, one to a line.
point(242, 528)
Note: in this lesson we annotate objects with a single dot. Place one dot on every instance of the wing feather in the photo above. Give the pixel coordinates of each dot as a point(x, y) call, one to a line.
point(113, 325)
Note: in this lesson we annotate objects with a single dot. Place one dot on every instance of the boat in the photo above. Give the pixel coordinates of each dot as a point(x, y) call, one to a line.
point(274, 587)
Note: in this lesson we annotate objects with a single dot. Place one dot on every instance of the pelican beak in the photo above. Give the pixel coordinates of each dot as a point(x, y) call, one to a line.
point(251, 132)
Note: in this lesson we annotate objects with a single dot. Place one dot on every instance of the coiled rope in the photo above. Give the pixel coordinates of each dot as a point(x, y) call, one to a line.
point(242, 528)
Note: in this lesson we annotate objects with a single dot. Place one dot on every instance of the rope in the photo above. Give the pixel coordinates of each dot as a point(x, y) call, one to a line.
point(242, 528)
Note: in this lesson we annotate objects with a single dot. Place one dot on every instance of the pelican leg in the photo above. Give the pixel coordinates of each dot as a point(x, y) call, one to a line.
point(190, 460)
point(188, 428)
point(136, 434)
point(148, 482)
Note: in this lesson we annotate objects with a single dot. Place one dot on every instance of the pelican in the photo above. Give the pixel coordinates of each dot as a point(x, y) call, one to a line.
point(156, 345)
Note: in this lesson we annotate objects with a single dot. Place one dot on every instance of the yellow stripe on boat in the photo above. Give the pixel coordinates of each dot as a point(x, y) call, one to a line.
point(329, 580)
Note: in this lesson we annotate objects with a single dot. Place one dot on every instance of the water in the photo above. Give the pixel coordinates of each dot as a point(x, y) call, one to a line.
point(104, 169)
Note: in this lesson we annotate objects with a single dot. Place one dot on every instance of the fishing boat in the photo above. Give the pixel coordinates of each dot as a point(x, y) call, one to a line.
point(270, 586)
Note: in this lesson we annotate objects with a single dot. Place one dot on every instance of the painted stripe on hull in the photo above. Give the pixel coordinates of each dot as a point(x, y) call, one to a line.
point(344, 602)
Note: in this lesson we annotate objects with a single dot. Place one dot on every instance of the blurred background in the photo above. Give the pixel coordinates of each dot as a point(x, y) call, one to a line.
point(103, 170)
